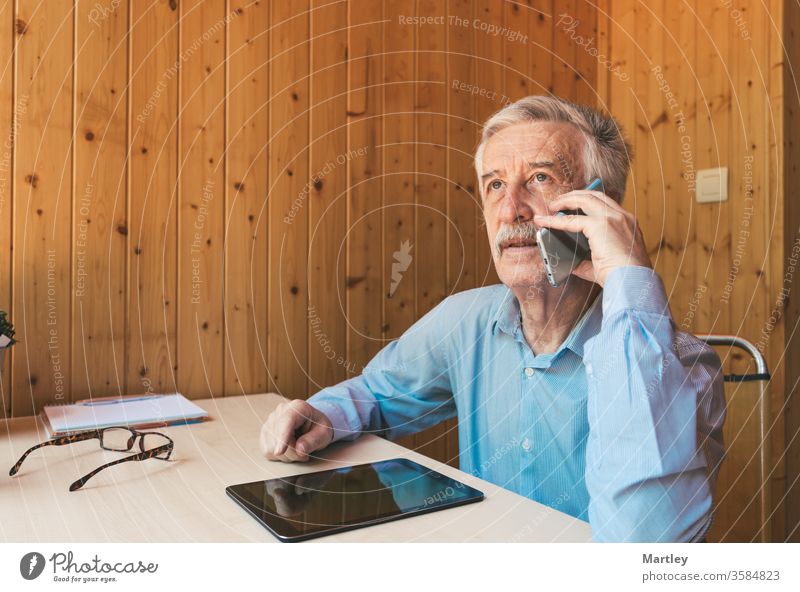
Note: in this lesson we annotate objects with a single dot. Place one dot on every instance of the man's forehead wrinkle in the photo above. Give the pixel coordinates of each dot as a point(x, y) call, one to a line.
point(544, 142)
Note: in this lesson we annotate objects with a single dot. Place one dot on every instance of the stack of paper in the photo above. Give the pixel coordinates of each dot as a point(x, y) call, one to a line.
point(135, 411)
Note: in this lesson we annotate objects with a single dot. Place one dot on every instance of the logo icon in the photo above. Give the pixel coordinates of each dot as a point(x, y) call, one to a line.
point(402, 259)
point(31, 565)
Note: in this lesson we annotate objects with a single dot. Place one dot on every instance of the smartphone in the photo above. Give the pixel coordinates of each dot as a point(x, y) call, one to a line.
point(562, 251)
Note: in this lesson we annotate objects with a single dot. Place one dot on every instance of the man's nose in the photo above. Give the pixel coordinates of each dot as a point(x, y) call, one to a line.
point(520, 205)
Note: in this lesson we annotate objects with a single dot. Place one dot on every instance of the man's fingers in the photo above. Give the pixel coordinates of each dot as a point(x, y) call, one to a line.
point(293, 431)
point(593, 203)
point(285, 427)
point(291, 455)
point(317, 437)
point(568, 222)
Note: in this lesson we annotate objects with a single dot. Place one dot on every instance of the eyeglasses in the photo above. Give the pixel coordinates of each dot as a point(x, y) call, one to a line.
point(117, 439)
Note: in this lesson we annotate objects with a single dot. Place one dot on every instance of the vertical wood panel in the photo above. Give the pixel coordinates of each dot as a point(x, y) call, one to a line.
point(201, 198)
point(648, 130)
point(43, 181)
point(8, 115)
point(710, 151)
point(463, 201)
point(753, 221)
point(621, 96)
point(540, 42)
point(776, 29)
point(152, 287)
point(430, 182)
point(565, 17)
point(399, 233)
point(785, 85)
point(366, 266)
point(328, 198)
point(463, 207)
point(99, 203)
point(398, 170)
point(489, 76)
point(246, 221)
point(677, 270)
point(517, 55)
point(604, 65)
point(586, 57)
point(290, 191)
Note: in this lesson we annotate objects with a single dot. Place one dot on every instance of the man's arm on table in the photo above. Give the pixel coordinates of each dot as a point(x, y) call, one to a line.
point(404, 389)
point(647, 470)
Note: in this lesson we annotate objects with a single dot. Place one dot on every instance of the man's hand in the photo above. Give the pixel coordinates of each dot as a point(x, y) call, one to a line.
point(293, 431)
point(614, 236)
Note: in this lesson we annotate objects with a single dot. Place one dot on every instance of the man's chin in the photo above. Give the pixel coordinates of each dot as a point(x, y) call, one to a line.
point(520, 271)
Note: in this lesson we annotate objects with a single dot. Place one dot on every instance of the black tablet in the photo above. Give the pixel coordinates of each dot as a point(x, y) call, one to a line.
point(318, 504)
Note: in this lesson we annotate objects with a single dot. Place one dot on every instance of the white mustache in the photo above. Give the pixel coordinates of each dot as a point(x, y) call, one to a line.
point(524, 231)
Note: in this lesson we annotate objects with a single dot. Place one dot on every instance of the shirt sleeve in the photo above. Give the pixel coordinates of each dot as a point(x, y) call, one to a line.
point(404, 389)
point(656, 407)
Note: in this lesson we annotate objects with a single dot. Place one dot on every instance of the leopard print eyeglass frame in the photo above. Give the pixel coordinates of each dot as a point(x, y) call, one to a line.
point(118, 439)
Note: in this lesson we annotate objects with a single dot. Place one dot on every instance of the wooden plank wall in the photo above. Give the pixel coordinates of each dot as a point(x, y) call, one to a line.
point(698, 85)
point(790, 173)
point(209, 196)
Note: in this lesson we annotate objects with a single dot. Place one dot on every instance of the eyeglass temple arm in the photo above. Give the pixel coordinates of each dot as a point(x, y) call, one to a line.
point(60, 441)
point(140, 456)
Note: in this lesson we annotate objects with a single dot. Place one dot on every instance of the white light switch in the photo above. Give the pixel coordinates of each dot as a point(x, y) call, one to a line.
point(712, 185)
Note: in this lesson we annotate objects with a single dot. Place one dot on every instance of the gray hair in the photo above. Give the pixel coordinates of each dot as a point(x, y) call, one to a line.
point(607, 154)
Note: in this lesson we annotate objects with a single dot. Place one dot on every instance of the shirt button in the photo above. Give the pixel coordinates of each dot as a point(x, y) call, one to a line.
point(528, 372)
point(526, 445)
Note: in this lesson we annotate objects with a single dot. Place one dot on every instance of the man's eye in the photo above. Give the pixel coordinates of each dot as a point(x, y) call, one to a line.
point(496, 184)
point(540, 177)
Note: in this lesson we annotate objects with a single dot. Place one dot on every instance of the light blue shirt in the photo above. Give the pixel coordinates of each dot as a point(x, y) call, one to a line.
point(622, 426)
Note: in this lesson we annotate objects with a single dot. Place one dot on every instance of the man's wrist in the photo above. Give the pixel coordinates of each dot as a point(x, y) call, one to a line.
point(337, 419)
point(634, 287)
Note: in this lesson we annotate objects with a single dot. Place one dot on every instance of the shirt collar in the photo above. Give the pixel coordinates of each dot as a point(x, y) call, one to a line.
point(508, 319)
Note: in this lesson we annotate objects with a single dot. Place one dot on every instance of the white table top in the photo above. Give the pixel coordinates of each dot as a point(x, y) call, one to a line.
point(185, 500)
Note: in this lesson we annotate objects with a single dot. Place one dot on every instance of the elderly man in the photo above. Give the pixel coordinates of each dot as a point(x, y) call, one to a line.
point(585, 397)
